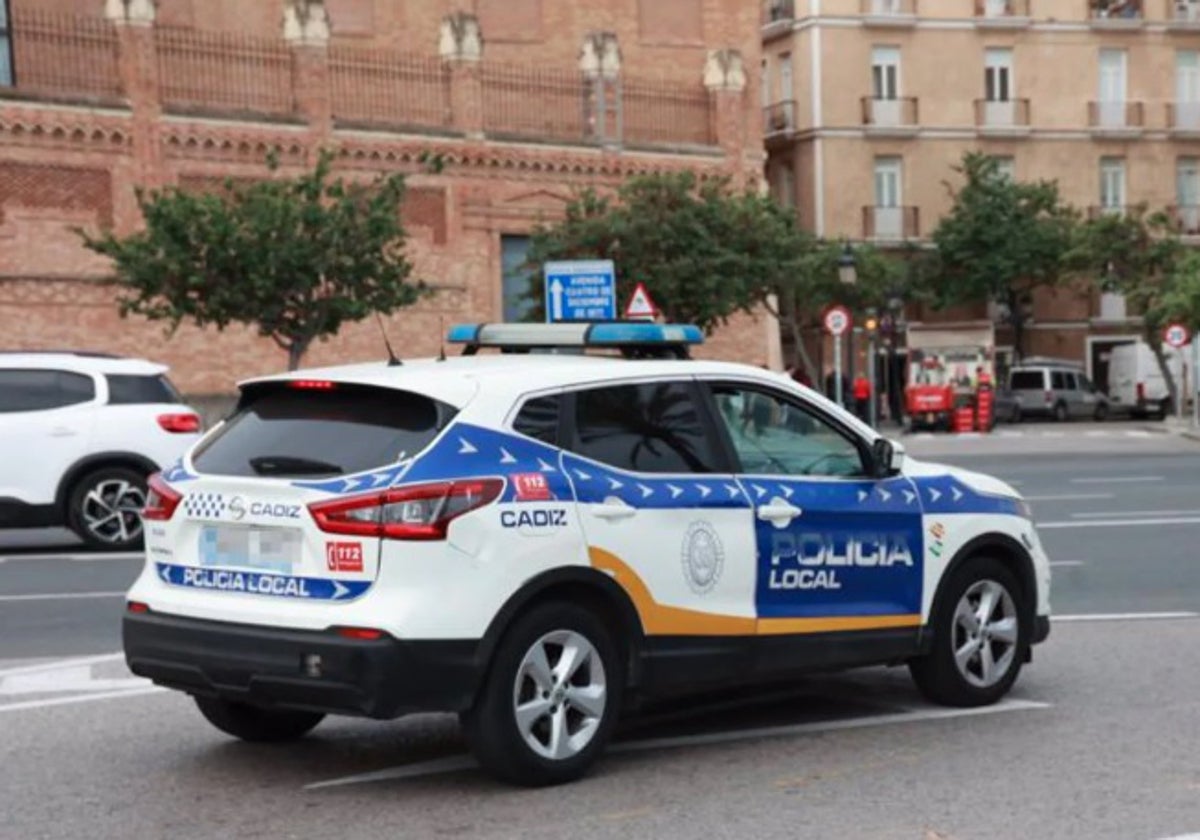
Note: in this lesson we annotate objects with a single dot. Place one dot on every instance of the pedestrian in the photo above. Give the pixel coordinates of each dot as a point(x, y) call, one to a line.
point(862, 397)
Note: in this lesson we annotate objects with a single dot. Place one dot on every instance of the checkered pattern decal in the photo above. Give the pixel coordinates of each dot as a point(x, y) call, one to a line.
point(204, 505)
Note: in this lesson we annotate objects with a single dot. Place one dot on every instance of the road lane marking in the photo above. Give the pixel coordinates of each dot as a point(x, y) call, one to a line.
point(1070, 497)
point(86, 698)
point(62, 596)
point(1066, 562)
point(1119, 479)
point(1150, 616)
point(53, 664)
point(1117, 523)
point(452, 764)
point(76, 679)
point(1130, 513)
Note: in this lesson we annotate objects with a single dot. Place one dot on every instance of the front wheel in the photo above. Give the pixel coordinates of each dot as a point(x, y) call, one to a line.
point(104, 508)
point(979, 638)
point(251, 723)
point(1101, 413)
point(550, 701)
point(1061, 414)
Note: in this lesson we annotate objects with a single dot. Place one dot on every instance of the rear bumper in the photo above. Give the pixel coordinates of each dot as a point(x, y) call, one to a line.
point(269, 667)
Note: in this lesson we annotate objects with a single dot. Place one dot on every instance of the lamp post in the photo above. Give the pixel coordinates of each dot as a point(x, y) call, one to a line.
point(895, 305)
point(848, 275)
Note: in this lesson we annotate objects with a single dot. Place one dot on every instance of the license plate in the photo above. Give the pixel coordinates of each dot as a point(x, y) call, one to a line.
point(248, 547)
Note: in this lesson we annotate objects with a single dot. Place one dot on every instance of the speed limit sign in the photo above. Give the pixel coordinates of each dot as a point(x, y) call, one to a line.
point(837, 320)
point(1176, 335)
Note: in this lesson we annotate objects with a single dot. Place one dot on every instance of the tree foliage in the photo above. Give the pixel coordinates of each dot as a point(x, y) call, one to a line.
point(1001, 240)
point(295, 258)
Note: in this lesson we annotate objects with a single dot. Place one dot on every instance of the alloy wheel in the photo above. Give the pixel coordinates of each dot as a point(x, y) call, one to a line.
point(111, 511)
point(985, 633)
point(560, 694)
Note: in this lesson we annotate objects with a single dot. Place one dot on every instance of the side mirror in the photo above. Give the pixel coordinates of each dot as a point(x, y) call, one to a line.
point(886, 458)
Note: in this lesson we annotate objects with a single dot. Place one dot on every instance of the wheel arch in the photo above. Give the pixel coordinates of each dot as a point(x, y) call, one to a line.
point(575, 585)
point(97, 461)
point(1008, 551)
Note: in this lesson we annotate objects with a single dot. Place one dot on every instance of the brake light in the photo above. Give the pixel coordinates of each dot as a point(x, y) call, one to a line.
point(421, 512)
point(363, 634)
point(179, 422)
point(161, 500)
point(311, 384)
point(1049, 397)
point(137, 607)
point(1141, 392)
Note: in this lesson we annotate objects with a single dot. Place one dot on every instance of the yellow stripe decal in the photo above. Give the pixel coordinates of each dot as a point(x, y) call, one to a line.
point(660, 620)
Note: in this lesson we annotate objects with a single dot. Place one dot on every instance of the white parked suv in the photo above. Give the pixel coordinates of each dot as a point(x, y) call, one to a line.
point(79, 435)
point(539, 540)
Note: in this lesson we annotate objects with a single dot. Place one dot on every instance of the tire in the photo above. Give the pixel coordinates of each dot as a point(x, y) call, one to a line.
point(1101, 412)
point(251, 723)
point(1061, 414)
point(938, 675)
point(523, 753)
point(104, 508)
point(1015, 416)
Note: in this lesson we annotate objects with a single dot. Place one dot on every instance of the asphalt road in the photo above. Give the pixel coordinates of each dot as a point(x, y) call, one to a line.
point(1098, 740)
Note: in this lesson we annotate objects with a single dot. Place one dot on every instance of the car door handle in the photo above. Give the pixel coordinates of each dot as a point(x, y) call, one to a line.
point(613, 509)
point(779, 512)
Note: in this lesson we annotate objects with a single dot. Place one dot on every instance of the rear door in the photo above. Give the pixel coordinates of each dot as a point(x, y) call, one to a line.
point(244, 523)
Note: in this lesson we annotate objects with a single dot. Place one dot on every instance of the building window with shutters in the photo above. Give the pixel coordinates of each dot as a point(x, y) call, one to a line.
point(6, 63)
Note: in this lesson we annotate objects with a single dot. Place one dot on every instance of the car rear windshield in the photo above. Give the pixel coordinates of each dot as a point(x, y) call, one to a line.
point(140, 390)
point(284, 431)
point(1027, 380)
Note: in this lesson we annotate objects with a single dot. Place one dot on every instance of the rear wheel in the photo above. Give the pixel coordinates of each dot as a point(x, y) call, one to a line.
point(104, 508)
point(1101, 413)
point(1061, 414)
point(979, 637)
point(551, 699)
point(251, 723)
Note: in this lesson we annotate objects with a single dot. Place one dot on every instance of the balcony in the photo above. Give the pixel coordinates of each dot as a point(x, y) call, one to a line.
point(890, 117)
point(891, 224)
point(64, 58)
point(889, 13)
point(1009, 118)
point(779, 119)
point(1116, 14)
point(1116, 120)
point(1097, 210)
point(1002, 14)
point(1183, 16)
point(1183, 120)
point(1186, 219)
point(777, 17)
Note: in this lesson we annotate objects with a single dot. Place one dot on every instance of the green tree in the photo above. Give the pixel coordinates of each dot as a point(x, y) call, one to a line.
point(295, 258)
point(703, 250)
point(1137, 254)
point(1001, 240)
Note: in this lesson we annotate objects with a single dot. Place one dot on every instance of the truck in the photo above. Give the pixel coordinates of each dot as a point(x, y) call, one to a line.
point(1135, 382)
point(946, 363)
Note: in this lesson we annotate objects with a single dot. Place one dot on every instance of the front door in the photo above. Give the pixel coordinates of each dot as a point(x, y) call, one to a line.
point(837, 550)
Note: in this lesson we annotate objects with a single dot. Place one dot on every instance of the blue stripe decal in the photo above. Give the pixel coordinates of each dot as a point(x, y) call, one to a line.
point(945, 494)
point(260, 583)
point(177, 473)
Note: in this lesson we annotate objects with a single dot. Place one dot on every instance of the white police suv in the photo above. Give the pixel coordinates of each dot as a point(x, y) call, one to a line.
point(539, 538)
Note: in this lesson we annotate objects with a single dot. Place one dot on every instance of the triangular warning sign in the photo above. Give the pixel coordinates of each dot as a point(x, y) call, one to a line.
point(640, 305)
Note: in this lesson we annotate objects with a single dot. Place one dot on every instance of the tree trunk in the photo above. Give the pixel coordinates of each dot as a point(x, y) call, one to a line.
point(802, 351)
point(1154, 339)
point(296, 351)
point(1017, 318)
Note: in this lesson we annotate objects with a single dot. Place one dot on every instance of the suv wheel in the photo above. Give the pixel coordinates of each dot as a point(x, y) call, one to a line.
point(1061, 414)
point(250, 723)
point(1101, 412)
point(550, 701)
point(105, 508)
point(979, 638)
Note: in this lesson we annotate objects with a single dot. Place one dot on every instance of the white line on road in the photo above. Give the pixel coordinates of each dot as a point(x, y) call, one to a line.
point(1066, 562)
point(1129, 513)
point(53, 664)
point(1119, 479)
point(455, 763)
point(1158, 616)
point(1069, 497)
point(87, 698)
point(1118, 523)
point(61, 596)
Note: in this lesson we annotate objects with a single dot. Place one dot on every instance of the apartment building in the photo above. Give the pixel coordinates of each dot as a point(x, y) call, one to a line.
point(868, 104)
point(523, 101)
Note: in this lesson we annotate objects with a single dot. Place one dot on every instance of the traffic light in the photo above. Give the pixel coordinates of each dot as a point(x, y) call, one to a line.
point(871, 322)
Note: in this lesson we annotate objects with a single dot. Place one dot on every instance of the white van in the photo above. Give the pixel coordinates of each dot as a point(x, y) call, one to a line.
point(1135, 382)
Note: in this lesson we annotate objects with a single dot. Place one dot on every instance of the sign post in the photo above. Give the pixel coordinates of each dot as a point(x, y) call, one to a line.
point(580, 290)
point(641, 306)
point(1196, 384)
point(837, 321)
point(1177, 336)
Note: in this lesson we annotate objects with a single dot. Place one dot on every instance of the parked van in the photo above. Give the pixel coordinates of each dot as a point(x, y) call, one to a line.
point(1054, 388)
point(1135, 381)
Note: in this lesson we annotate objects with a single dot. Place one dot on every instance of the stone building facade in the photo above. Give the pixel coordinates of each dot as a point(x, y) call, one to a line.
point(523, 100)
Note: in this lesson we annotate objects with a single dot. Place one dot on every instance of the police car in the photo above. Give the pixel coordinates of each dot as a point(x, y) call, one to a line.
point(542, 537)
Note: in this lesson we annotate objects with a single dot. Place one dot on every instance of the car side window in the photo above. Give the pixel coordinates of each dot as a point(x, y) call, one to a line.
point(773, 435)
point(538, 419)
point(653, 428)
point(1058, 381)
point(42, 390)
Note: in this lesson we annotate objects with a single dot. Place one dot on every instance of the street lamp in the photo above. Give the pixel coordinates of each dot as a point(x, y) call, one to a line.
point(847, 270)
point(847, 274)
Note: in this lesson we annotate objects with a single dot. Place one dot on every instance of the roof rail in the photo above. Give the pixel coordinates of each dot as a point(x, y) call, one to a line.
point(634, 339)
point(88, 354)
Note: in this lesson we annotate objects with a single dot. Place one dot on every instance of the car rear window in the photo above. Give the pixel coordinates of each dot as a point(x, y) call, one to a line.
point(1027, 380)
point(140, 390)
point(285, 431)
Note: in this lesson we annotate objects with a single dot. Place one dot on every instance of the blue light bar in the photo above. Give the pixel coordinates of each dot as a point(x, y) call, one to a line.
point(635, 334)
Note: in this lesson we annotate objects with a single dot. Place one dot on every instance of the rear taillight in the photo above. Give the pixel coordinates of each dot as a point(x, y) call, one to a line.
point(1141, 392)
point(1049, 397)
point(161, 500)
point(179, 422)
point(421, 512)
point(137, 607)
point(360, 634)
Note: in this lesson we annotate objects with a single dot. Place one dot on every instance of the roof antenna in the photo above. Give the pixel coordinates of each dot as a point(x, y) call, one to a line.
point(441, 338)
point(392, 360)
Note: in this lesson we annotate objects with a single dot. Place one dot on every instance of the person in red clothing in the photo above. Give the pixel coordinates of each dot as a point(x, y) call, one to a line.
point(862, 397)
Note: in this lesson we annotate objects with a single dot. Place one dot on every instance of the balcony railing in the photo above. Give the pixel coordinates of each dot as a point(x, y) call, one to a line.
point(524, 102)
point(227, 72)
point(1000, 10)
point(1185, 218)
point(891, 224)
point(64, 56)
point(1184, 117)
point(889, 12)
point(1184, 14)
point(774, 11)
point(1010, 114)
point(1098, 210)
point(900, 113)
point(666, 112)
point(1116, 117)
point(384, 88)
point(1115, 12)
point(779, 118)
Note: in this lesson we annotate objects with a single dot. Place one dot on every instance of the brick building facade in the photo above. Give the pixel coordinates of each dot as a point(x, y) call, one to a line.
point(524, 100)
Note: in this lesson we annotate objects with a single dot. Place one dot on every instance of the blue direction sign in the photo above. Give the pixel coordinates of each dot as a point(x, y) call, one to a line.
point(581, 290)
